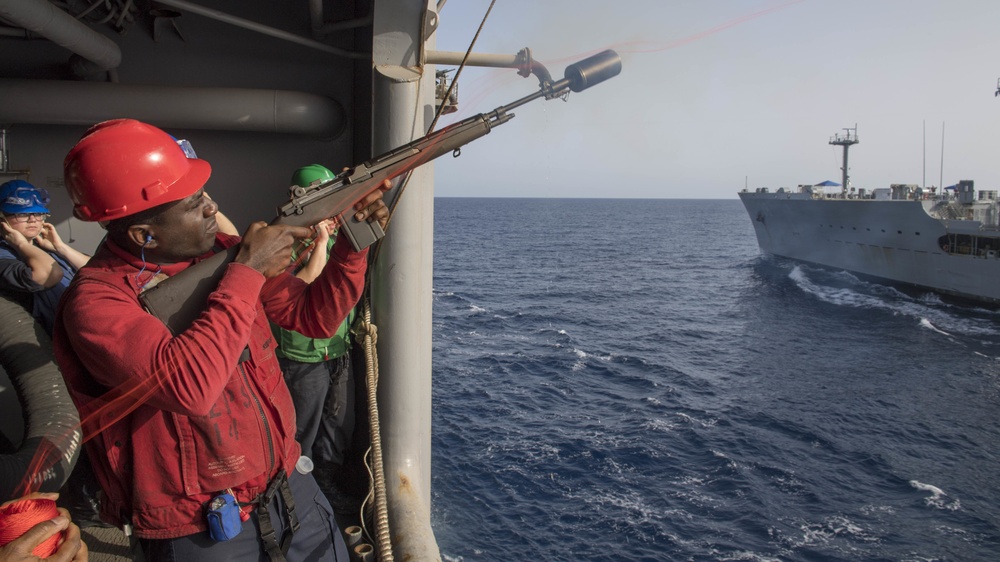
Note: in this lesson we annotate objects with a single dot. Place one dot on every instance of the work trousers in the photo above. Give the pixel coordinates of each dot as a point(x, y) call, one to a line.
point(323, 394)
point(318, 537)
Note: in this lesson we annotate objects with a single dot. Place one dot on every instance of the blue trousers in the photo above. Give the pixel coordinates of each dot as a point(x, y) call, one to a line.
point(318, 537)
point(323, 394)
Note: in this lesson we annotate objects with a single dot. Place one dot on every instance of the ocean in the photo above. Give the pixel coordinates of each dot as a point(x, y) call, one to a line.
point(633, 380)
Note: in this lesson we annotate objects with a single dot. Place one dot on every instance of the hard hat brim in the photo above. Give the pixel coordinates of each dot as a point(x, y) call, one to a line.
point(193, 180)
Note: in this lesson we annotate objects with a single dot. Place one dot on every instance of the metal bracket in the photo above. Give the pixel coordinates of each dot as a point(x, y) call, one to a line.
point(163, 17)
point(430, 23)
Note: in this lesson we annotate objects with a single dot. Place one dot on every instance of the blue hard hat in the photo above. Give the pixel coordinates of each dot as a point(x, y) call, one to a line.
point(19, 196)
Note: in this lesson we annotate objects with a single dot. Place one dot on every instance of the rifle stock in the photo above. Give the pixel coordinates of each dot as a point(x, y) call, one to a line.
point(179, 300)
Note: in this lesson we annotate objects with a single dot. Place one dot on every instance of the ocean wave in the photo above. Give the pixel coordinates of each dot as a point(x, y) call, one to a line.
point(929, 312)
point(938, 498)
point(833, 530)
point(925, 323)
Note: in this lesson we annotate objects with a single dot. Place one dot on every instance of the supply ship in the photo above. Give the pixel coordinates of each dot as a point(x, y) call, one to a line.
point(941, 240)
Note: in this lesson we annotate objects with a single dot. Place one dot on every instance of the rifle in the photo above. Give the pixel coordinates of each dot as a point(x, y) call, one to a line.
point(180, 299)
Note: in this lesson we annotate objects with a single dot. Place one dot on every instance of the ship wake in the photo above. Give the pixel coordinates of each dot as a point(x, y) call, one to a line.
point(929, 312)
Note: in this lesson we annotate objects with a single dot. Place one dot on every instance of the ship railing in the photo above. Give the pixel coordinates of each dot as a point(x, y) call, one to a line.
point(986, 247)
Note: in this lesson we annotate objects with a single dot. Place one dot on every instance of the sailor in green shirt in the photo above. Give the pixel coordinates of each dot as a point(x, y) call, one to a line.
point(318, 371)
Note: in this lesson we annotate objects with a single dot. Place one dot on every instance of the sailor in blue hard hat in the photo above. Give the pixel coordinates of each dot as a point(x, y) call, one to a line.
point(24, 204)
point(34, 260)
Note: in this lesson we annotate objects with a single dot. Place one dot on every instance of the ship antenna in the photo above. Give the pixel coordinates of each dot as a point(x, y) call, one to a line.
point(845, 140)
point(941, 179)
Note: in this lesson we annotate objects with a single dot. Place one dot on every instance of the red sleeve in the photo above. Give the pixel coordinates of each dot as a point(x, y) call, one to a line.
point(316, 310)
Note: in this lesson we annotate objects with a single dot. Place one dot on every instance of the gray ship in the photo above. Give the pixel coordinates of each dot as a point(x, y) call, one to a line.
point(946, 241)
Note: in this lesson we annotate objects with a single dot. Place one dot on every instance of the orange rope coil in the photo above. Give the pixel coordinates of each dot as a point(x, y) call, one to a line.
point(20, 516)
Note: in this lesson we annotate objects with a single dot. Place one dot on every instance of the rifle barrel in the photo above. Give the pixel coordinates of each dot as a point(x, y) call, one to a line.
point(579, 76)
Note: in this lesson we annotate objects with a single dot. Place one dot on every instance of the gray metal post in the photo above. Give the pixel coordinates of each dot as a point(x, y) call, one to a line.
point(846, 141)
point(844, 177)
point(403, 279)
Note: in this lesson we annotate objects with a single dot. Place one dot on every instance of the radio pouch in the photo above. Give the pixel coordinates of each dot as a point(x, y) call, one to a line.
point(223, 517)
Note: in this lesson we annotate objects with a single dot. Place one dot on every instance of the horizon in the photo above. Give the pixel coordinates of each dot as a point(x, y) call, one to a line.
point(715, 96)
point(595, 197)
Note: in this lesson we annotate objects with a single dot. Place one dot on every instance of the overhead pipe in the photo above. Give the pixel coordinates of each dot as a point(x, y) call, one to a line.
point(260, 28)
point(15, 32)
point(93, 52)
point(56, 102)
point(454, 58)
point(521, 61)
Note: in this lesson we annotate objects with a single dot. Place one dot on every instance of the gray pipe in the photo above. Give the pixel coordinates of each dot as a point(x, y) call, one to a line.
point(15, 32)
point(353, 535)
point(453, 58)
point(94, 52)
point(54, 102)
point(402, 279)
point(52, 433)
point(260, 28)
point(521, 61)
point(363, 553)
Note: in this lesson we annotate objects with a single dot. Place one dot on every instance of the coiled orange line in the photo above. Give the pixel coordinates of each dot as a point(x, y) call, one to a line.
point(20, 516)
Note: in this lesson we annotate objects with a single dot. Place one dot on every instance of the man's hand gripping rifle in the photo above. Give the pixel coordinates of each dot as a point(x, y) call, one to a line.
point(179, 300)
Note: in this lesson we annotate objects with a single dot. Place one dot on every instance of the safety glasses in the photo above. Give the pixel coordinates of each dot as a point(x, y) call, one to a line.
point(25, 217)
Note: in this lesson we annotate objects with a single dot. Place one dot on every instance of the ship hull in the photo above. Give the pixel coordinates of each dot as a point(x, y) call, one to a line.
point(891, 240)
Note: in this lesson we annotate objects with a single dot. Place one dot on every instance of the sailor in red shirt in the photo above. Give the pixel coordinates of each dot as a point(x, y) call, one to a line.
point(207, 411)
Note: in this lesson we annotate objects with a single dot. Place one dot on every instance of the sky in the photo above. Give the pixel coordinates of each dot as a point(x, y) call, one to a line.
point(715, 95)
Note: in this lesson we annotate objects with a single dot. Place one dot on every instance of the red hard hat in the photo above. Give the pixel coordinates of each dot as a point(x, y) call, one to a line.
point(123, 166)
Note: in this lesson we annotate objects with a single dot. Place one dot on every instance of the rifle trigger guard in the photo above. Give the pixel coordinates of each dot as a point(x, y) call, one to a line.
point(456, 153)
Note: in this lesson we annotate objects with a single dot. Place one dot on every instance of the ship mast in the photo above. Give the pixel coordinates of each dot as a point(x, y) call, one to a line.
point(845, 140)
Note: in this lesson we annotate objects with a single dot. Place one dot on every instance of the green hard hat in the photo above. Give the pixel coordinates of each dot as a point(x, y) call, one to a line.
point(308, 174)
